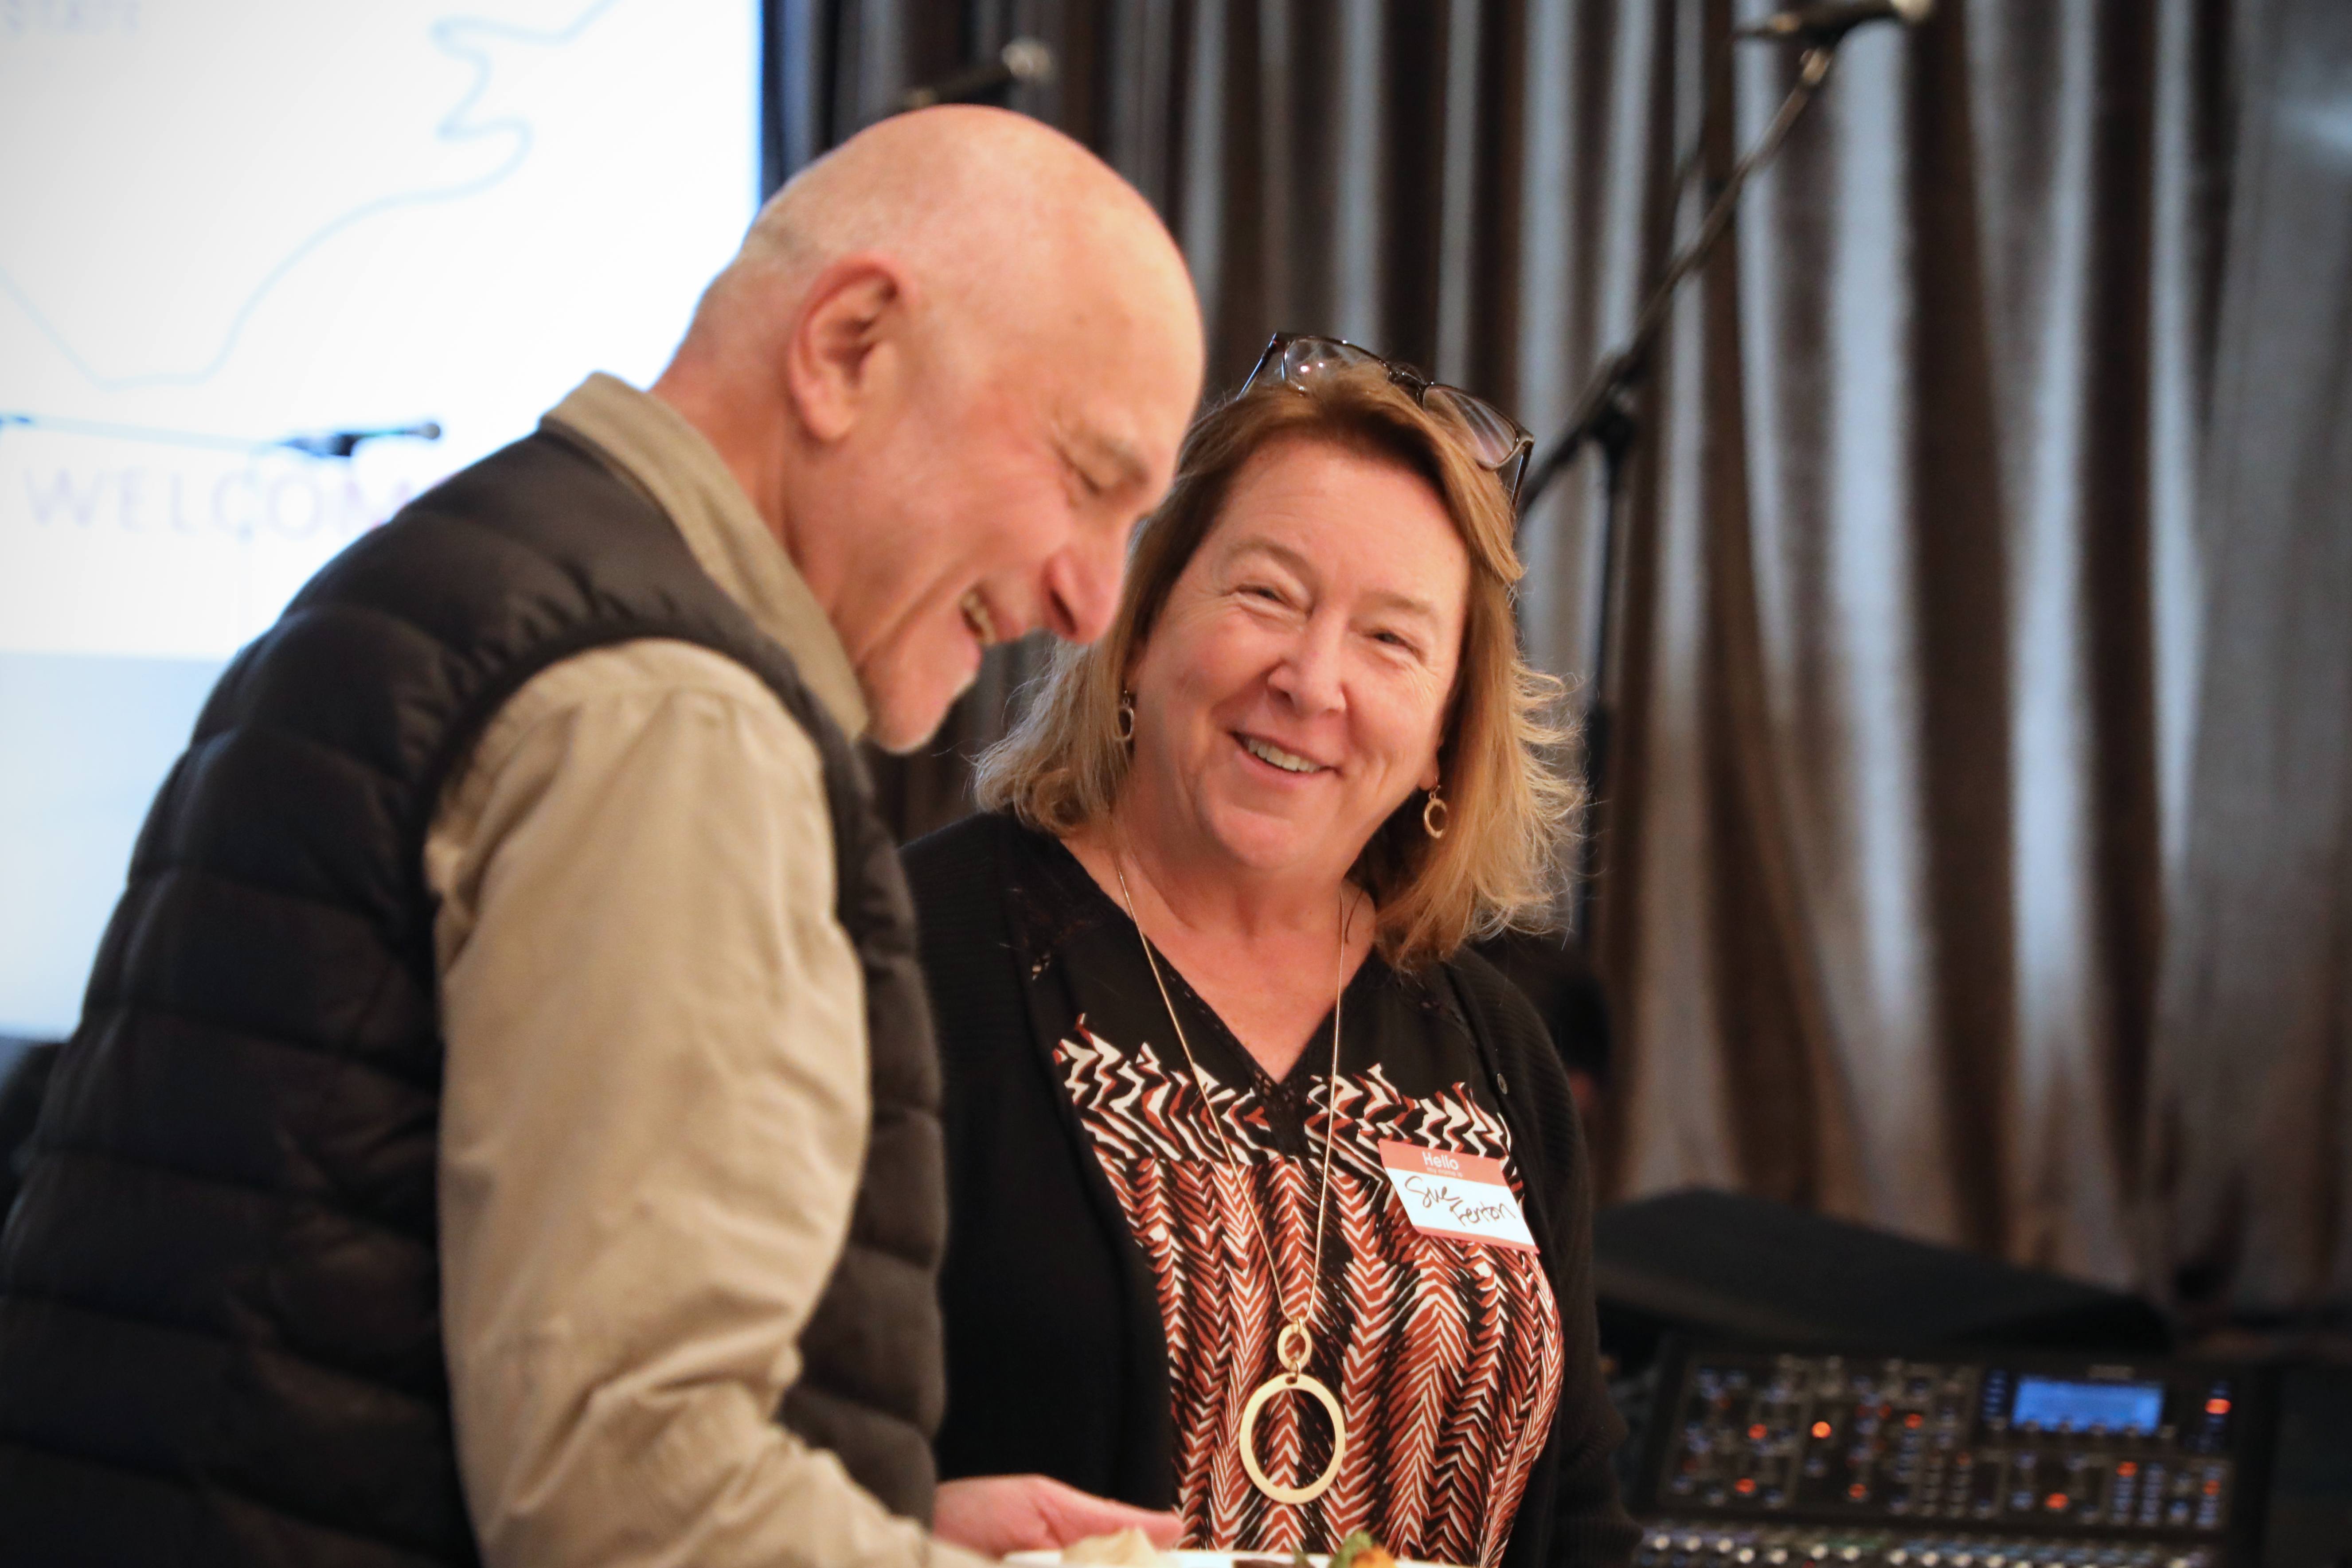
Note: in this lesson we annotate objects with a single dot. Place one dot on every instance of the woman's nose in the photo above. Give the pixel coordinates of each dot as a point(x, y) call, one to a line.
point(1308, 674)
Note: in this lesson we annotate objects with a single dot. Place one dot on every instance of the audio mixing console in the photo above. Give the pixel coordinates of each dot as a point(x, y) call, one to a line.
point(1760, 1458)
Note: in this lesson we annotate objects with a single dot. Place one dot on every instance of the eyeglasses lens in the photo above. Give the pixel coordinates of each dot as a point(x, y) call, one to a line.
point(1493, 438)
point(1306, 357)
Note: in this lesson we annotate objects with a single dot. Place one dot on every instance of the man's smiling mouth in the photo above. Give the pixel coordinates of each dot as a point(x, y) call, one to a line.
point(976, 616)
point(1289, 761)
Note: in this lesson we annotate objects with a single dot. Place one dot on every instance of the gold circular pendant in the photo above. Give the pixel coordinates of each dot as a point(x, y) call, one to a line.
point(1283, 1383)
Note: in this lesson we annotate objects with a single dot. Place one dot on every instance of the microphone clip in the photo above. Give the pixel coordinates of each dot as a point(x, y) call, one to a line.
point(1825, 22)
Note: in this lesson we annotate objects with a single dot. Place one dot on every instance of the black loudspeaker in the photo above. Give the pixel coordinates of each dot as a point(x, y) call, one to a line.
point(1719, 1266)
point(2310, 1523)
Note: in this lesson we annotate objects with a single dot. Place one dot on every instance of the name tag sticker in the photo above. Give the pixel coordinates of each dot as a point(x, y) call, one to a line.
point(1464, 1198)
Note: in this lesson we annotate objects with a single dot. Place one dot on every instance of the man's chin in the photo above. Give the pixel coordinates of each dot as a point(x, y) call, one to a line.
point(904, 722)
point(903, 742)
point(907, 699)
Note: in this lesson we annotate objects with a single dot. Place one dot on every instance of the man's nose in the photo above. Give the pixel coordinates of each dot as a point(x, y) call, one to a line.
point(1082, 586)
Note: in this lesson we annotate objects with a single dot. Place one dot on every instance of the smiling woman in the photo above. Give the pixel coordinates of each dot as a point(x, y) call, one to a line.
point(1505, 806)
point(1295, 690)
point(1207, 1025)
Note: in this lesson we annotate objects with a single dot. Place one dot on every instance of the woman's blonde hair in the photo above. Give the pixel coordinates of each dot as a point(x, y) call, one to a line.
point(1507, 806)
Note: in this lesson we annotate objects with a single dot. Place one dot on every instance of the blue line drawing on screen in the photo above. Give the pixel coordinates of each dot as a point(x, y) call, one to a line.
point(319, 443)
point(465, 38)
point(147, 434)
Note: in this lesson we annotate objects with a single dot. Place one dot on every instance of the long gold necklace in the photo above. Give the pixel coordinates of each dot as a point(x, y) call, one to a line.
point(1295, 1343)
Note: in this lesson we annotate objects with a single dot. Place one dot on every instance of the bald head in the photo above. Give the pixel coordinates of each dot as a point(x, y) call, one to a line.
point(991, 214)
point(950, 366)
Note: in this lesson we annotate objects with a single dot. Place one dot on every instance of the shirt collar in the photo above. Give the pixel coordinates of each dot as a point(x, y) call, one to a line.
point(653, 445)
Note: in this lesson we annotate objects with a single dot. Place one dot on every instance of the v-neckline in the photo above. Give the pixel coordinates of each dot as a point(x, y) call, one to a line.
point(1239, 1065)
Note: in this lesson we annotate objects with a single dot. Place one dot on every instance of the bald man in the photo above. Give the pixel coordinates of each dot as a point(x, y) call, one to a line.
point(503, 1125)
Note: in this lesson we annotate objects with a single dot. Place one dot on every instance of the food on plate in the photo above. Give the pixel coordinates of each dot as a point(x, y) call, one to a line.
point(1360, 1550)
point(1128, 1547)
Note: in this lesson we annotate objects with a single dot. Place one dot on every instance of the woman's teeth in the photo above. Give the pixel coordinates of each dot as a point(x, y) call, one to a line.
point(976, 616)
point(1289, 762)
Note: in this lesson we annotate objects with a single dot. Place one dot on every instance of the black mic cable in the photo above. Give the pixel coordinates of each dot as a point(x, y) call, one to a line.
point(343, 443)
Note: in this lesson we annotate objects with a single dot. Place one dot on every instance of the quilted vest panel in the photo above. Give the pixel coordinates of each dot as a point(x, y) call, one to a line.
point(219, 1332)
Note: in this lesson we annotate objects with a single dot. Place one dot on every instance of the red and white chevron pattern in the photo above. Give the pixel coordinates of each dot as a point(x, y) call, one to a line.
point(1446, 1355)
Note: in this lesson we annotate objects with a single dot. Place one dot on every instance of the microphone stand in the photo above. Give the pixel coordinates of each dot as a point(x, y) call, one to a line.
point(1603, 417)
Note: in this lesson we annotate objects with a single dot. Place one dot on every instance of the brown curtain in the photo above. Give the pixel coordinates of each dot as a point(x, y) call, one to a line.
point(2250, 1125)
point(1932, 686)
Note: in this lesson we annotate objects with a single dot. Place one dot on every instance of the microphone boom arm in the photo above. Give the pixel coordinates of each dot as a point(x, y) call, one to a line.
point(1601, 415)
point(1602, 401)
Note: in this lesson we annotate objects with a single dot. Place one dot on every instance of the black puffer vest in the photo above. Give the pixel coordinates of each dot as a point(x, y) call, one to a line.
point(219, 1333)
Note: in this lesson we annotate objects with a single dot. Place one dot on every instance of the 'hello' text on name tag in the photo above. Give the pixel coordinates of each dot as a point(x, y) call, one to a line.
point(1464, 1198)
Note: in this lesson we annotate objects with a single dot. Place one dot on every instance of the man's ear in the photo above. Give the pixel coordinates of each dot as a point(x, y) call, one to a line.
point(848, 335)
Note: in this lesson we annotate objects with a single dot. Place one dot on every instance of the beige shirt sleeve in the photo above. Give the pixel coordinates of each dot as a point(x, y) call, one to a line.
point(653, 1121)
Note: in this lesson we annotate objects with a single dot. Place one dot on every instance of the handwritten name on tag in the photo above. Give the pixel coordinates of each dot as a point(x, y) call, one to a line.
point(1465, 1198)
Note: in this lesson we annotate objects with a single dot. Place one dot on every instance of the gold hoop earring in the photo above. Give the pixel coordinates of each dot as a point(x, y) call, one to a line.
point(1435, 814)
point(1125, 726)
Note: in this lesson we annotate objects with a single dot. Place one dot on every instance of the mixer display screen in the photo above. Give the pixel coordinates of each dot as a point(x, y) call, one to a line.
point(2130, 1409)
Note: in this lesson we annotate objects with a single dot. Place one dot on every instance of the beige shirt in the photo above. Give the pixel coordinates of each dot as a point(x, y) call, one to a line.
point(656, 1106)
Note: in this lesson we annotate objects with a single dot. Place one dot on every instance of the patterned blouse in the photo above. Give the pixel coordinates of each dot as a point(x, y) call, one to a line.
point(1445, 1354)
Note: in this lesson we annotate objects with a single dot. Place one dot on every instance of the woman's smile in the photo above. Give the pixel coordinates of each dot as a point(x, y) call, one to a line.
point(1273, 756)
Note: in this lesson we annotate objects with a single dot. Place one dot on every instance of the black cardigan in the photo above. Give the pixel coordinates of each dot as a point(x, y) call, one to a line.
point(1058, 1359)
